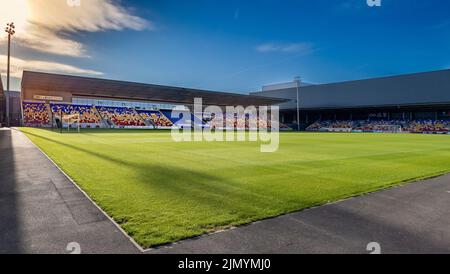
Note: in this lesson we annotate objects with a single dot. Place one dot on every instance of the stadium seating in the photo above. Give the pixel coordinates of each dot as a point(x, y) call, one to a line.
point(428, 126)
point(381, 126)
point(36, 114)
point(334, 126)
point(316, 126)
point(391, 126)
point(240, 122)
point(121, 117)
point(183, 118)
point(88, 114)
point(156, 118)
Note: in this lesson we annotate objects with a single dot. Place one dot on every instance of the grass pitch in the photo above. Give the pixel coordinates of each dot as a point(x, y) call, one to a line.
point(160, 191)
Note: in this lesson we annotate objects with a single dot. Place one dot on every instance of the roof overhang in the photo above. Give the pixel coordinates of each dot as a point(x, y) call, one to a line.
point(378, 107)
point(104, 88)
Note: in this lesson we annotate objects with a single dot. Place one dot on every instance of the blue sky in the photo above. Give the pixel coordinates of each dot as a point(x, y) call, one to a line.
point(241, 45)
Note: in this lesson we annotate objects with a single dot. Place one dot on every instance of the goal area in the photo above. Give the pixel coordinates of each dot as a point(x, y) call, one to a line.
point(71, 121)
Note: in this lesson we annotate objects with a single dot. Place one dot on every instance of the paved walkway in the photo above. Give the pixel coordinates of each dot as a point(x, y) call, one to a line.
point(414, 218)
point(41, 211)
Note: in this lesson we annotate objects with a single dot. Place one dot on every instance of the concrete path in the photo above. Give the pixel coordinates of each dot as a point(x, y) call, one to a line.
point(414, 218)
point(42, 211)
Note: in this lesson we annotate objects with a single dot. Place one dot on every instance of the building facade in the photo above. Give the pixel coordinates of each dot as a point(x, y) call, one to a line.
point(409, 101)
point(405, 97)
point(2, 103)
point(49, 99)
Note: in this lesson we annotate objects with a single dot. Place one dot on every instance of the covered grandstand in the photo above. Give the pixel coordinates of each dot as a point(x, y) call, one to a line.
point(417, 102)
point(102, 103)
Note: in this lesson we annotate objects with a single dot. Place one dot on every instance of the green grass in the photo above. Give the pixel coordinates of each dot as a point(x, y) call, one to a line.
point(160, 191)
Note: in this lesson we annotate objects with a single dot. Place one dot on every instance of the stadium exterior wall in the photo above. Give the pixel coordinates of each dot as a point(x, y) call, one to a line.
point(428, 88)
point(2, 103)
point(15, 108)
point(411, 96)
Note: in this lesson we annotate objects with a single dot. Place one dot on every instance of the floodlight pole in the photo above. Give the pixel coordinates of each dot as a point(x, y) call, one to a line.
point(10, 29)
point(297, 81)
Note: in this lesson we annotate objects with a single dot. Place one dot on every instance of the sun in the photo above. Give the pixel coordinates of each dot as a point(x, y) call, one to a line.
point(16, 11)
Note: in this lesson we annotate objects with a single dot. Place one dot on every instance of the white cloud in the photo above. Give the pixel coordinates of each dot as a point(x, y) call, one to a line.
point(47, 25)
point(287, 48)
point(18, 65)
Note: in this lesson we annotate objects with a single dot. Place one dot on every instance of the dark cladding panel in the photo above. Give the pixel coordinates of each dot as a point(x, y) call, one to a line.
point(412, 89)
point(2, 103)
point(289, 94)
point(422, 88)
point(1, 88)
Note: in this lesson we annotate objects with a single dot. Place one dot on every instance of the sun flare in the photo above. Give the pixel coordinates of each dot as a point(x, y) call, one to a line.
point(16, 11)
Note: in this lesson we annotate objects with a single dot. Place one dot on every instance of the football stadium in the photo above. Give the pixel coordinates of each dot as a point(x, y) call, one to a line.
point(415, 103)
point(113, 139)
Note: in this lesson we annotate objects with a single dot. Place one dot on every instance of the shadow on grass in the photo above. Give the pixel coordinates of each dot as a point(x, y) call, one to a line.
point(183, 184)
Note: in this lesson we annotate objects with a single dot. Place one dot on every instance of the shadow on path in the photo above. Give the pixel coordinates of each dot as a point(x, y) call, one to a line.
point(10, 239)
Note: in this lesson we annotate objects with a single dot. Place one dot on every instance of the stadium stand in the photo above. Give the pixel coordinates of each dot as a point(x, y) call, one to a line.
point(89, 116)
point(121, 117)
point(234, 121)
point(381, 126)
point(368, 105)
point(332, 126)
point(155, 118)
point(40, 115)
point(183, 118)
point(243, 122)
point(428, 126)
point(390, 126)
point(36, 114)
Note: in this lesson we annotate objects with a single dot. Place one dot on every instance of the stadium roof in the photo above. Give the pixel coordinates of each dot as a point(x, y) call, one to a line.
point(284, 86)
point(426, 88)
point(92, 87)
